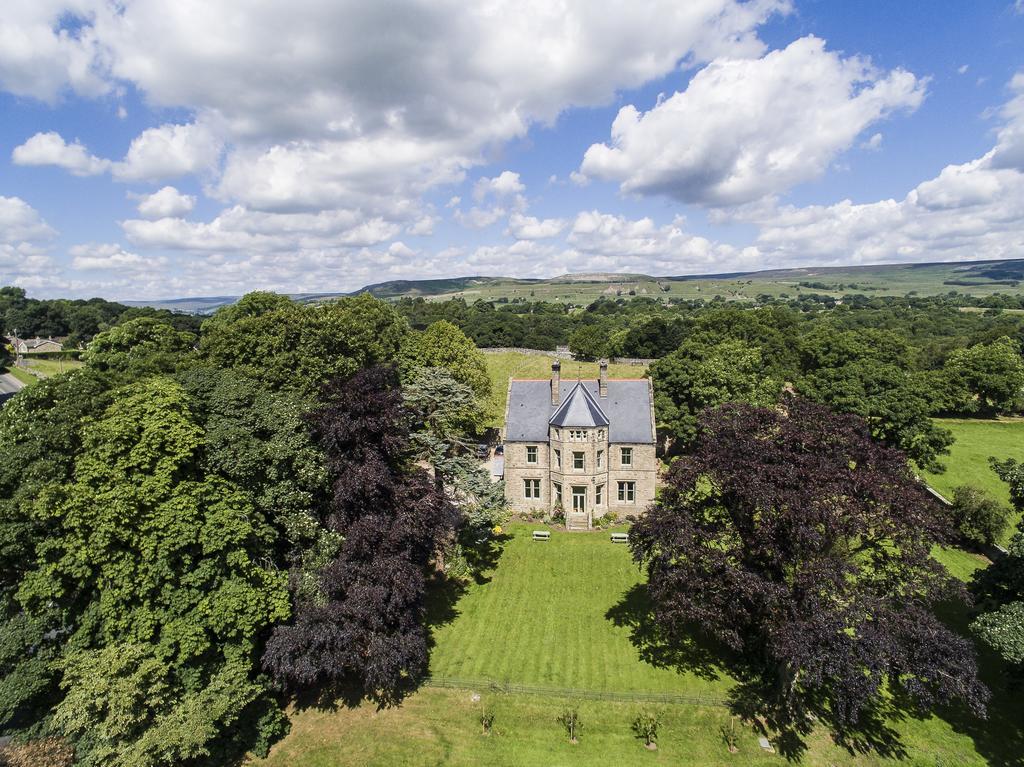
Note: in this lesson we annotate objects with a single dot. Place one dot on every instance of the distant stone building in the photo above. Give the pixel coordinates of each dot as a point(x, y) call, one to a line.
point(37, 345)
point(588, 446)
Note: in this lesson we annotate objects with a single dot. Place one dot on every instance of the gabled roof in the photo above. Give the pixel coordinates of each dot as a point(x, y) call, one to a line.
point(627, 409)
point(579, 409)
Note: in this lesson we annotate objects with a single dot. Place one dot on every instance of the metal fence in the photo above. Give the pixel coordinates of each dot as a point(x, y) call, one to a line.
point(494, 686)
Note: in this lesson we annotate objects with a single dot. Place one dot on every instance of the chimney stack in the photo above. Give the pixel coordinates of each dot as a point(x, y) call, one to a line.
point(556, 376)
point(602, 381)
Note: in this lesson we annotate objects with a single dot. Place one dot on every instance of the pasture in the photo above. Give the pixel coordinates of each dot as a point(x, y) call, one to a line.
point(501, 366)
point(967, 463)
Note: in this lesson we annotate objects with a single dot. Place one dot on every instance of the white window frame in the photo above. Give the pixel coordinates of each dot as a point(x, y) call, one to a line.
point(627, 491)
point(577, 435)
point(557, 487)
point(599, 495)
point(582, 457)
point(626, 456)
point(600, 458)
point(531, 489)
point(531, 454)
point(558, 458)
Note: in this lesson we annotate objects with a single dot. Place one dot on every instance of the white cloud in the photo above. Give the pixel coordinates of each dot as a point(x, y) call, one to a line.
point(24, 242)
point(617, 243)
point(749, 128)
point(20, 222)
point(167, 202)
point(974, 210)
point(874, 143)
point(506, 184)
point(51, 149)
point(318, 110)
point(169, 151)
point(41, 54)
point(962, 69)
point(156, 153)
point(97, 256)
point(530, 228)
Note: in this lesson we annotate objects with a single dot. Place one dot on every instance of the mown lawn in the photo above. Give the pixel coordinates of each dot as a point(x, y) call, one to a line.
point(967, 463)
point(568, 614)
point(505, 365)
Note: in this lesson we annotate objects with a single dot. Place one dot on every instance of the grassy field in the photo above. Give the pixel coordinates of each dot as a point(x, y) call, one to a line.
point(504, 365)
point(967, 463)
point(50, 367)
point(569, 613)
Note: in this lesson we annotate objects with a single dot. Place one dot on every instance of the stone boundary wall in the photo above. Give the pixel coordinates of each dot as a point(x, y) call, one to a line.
point(562, 355)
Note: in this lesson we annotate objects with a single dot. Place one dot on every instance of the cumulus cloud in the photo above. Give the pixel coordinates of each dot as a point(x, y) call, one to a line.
point(169, 151)
point(41, 54)
point(99, 256)
point(51, 149)
point(530, 228)
point(973, 210)
point(163, 152)
point(749, 128)
point(167, 202)
point(24, 241)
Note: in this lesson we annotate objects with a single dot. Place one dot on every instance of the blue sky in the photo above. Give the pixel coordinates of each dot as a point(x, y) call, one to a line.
point(209, 147)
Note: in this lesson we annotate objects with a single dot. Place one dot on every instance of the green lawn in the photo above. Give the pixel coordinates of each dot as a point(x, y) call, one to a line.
point(21, 375)
point(967, 463)
point(565, 613)
point(548, 617)
point(505, 365)
point(51, 367)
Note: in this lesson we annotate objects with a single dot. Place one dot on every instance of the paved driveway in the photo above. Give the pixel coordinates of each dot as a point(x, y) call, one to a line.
point(9, 386)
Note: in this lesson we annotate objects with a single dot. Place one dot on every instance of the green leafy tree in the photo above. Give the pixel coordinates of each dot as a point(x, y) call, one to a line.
point(285, 345)
point(139, 347)
point(979, 517)
point(986, 378)
point(143, 548)
point(589, 342)
point(443, 345)
point(1000, 586)
point(259, 440)
point(696, 376)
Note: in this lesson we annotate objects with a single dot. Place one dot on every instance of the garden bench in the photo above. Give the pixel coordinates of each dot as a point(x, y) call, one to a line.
point(541, 535)
point(620, 537)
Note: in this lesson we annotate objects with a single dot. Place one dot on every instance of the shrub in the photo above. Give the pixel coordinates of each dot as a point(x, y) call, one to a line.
point(646, 726)
point(570, 720)
point(486, 720)
point(979, 517)
point(730, 736)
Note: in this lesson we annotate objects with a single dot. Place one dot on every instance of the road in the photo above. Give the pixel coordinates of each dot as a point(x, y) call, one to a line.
point(9, 386)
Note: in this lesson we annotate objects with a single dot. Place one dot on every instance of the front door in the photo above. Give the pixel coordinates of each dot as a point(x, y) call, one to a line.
point(579, 500)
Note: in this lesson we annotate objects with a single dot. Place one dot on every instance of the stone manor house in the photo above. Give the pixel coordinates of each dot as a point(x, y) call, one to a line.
point(586, 445)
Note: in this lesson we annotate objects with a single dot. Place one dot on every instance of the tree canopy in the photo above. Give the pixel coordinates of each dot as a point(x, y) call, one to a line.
point(803, 545)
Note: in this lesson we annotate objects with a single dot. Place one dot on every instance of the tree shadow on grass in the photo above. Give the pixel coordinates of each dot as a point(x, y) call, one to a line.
point(689, 653)
point(753, 697)
point(999, 738)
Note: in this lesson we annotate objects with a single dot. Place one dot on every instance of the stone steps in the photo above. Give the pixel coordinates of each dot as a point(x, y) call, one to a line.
point(576, 522)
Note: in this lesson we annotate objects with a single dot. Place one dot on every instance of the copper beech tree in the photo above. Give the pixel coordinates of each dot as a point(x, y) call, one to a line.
point(803, 545)
point(367, 623)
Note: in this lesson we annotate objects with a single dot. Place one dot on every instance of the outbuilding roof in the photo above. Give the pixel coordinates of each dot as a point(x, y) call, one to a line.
point(626, 410)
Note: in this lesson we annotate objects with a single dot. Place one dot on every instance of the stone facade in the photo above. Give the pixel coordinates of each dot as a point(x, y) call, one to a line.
point(582, 465)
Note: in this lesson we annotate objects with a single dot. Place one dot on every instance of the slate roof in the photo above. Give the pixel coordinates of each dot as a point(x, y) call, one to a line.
point(626, 409)
point(579, 409)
